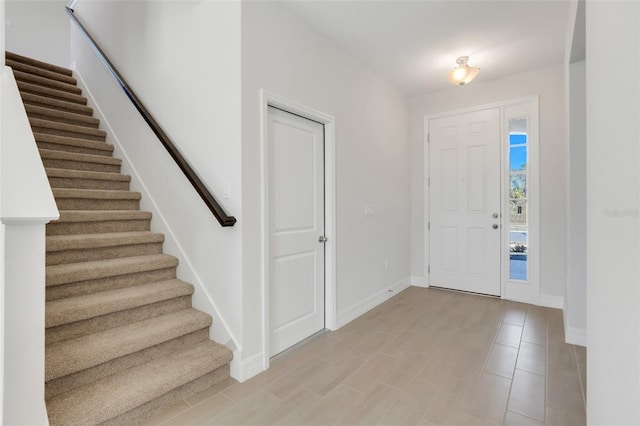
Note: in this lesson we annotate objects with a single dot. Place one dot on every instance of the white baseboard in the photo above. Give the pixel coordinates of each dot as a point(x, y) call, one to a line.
point(419, 281)
point(573, 335)
point(548, 301)
point(371, 302)
point(244, 370)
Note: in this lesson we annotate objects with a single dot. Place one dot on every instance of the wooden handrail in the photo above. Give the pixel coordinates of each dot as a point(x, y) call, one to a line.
point(198, 185)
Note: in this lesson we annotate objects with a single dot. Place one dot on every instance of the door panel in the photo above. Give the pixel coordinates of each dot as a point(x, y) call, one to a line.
point(296, 221)
point(464, 168)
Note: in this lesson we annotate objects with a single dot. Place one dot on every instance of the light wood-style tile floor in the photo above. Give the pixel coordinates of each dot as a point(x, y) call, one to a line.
point(425, 357)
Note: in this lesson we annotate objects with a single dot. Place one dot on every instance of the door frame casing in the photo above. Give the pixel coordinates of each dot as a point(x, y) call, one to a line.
point(268, 99)
point(511, 290)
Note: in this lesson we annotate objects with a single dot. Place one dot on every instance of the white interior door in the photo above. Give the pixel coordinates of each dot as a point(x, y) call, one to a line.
point(296, 225)
point(464, 201)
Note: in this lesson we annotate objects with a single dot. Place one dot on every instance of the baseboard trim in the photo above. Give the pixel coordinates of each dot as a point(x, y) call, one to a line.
point(573, 335)
point(418, 281)
point(548, 301)
point(243, 370)
point(371, 302)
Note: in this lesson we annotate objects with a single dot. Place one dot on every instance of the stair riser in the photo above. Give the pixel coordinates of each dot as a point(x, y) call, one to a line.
point(94, 204)
point(80, 165)
point(65, 120)
point(29, 99)
point(66, 228)
point(51, 93)
point(73, 148)
point(102, 253)
point(116, 319)
point(80, 288)
point(139, 414)
point(46, 82)
point(29, 69)
point(71, 134)
point(57, 182)
point(72, 381)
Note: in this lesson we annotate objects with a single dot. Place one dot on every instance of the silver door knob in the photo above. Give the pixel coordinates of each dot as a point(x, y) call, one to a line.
point(322, 239)
point(494, 226)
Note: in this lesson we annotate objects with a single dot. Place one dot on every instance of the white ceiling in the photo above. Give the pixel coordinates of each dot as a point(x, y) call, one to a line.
point(413, 44)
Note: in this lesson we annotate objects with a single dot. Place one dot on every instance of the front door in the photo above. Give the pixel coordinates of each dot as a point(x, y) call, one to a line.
point(464, 202)
point(296, 228)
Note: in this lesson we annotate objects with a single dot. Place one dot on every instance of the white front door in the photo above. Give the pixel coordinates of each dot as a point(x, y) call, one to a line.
point(296, 225)
point(464, 201)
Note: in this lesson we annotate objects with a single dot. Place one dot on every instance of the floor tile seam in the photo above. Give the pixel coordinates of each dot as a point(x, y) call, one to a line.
point(506, 408)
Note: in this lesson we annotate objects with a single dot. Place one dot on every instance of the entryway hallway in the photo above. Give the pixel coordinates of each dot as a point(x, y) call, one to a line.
point(426, 356)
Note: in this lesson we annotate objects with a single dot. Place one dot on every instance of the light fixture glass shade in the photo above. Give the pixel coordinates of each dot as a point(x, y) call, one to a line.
point(463, 73)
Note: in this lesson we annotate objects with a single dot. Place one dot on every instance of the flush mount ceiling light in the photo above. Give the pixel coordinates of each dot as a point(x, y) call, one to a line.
point(463, 73)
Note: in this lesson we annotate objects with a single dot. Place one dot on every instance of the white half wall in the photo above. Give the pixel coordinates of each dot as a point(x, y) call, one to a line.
point(183, 61)
point(283, 55)
point(613, 212)
point(38, 29)
point(548, 83)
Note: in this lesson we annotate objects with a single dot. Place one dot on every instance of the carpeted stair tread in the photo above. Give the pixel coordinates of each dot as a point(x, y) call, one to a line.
point(68, 144)
point(94, 194)
point(51, 93)
point(123, 392)
point(30, 69)
point(48, 125)
point(84, 174)
point(80, 158)
point(71, 356)
point(72, 309)
point(61, 116)
point(73, 272)
point(47, 82)
point(39, 64)
point(101, 215)
point(34, 99)
point(86, 241)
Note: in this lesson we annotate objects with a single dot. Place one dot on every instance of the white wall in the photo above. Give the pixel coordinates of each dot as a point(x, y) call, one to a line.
point(283, 55)
point(613, 221)
point(549, 85)
point(576, 288)
point(183, 60)
point(38, 29)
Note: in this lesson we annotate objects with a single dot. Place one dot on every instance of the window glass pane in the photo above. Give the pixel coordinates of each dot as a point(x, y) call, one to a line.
point(518, 158)
point(518, 174)
point(517, 139)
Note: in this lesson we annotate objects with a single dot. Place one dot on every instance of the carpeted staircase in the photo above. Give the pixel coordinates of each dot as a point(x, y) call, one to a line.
point(122, 340)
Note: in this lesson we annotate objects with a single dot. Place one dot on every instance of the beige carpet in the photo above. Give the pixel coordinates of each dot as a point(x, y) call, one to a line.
point(122, 340)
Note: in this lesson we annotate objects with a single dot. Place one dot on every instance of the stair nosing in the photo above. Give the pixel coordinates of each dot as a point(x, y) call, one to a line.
point(40, 72)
